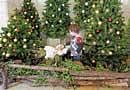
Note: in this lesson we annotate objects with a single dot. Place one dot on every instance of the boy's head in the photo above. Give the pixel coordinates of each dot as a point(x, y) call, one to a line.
point(74, 28)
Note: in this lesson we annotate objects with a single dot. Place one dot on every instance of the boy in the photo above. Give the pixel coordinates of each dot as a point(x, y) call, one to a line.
point(75, 41)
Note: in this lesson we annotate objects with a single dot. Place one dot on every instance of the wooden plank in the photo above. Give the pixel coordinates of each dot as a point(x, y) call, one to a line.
point(81, 74)
point(38, 67)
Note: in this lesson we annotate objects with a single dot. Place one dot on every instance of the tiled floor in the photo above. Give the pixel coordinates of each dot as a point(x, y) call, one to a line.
point(27, 87)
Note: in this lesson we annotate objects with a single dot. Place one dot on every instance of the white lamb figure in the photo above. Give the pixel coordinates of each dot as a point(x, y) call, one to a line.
point(58, 50)
point(50, 52)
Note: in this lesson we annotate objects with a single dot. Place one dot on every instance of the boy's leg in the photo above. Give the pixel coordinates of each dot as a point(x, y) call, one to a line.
point(76, 60)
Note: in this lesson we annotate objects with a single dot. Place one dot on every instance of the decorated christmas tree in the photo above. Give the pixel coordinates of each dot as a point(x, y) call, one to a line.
point(105, 38)
point(18, 40)
point(31, 15)
point(56, 18)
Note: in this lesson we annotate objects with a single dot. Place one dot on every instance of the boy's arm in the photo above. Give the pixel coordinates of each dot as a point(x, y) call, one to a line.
point(68, 40)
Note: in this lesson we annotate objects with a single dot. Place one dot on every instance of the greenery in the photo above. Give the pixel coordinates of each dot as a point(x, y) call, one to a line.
point(56, 18)
point(65, 76)
point(82, 11)
point(105, 34)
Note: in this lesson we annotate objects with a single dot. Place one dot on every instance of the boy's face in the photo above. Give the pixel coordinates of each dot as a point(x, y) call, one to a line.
point(73, 33)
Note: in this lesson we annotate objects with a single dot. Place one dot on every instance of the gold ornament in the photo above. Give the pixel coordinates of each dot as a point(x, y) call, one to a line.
point(93, 6)
point(60, 21)
point(15, 40)
point(31, 16)
point(110, 53)
point(10, 45)
point(63, 5)
point(85, 21)
point(99, 23)
point(67, 14)
point(97, 11)
point(25, 46)
point(29, 33)
point(53, 15)
point(86, 3)
point(94, 43)
point(107, 10)
point(36, 26)
point(24, 40)
point(4, 40)
point(25, 23)
point(110, 29)
point(14, 17)
point(27, 20)
point(118, 32)
point(25, 13)
point(34, 44)
point(102, 51)
point(90, 35)
point(8, 34)
point(59, 9)
point(3, 53)
point(27, 3)
point(50, 4)
point(44, 11)
point(0, 45)
point(83, 11)
point(88, 20)
point(108, 41)
point(7, 55)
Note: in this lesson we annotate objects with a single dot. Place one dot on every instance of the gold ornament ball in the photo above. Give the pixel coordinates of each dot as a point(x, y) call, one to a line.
point(86, 3)
point(4, 40)
point(31, 16)
point(94, 43)
point(3, 53)
point(7, 55)
point(34, 44)
point(0, 45)
point(93, 6)
point(108, 41)
point(90, 35)
point(27, 20)
point(24, 46)
point(102, 51)
point(8, 34)
point(25, 13)
point(99, 23)
point(97, 11)
point(15, 40)
point(14, 17)
point(10, 45)
point(110, 53)
point(118, 32)
point(83, 11)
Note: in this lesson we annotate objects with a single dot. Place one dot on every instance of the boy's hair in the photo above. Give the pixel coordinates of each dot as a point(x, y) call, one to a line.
point(74, 28)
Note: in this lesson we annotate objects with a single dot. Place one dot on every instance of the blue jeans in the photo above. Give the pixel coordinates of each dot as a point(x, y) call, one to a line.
point(76, 58)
